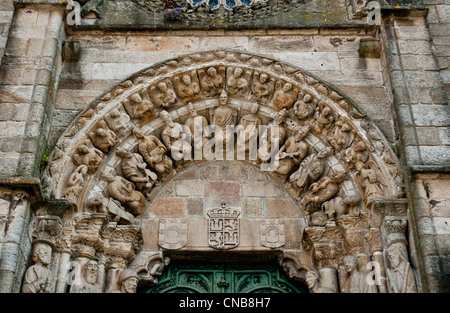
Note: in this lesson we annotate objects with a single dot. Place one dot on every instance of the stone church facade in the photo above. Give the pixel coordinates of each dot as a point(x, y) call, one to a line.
point(147, 144)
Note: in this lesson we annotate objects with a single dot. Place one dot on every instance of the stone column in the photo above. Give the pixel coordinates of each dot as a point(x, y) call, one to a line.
point(422, 113)
point(29, 76)
point(15, 245)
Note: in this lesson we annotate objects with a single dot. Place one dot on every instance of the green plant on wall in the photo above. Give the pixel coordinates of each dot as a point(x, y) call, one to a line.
point(44, 160)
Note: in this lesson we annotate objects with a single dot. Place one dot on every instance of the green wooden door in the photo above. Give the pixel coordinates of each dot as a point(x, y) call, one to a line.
point(225, 278)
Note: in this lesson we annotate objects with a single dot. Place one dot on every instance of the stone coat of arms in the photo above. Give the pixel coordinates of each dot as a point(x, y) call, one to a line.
point(223, 228)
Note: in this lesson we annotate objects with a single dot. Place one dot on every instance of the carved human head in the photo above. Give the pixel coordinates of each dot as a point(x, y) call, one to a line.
point(42, 253)
point(124, 153)
point(192, 110)
point(186, 79)
point(311, 278)
point(138, 133)
point(237, 72)
point(395, 256)
point(263, 78)
point(254, 108)
point(90, 272)
point(307, 97)
point(128, 281)
point(165, 116)
point(136, 98)
point(287, 87)
point(351, 263)
point(162, 86)
point(223, 97)
point(325, 152)
point(281, 116)
point(212, 71)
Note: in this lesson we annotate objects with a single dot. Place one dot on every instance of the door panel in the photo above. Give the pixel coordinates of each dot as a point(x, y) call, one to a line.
point(225, 278)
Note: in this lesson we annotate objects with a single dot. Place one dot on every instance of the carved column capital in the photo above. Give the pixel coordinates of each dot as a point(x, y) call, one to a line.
point(47, 229)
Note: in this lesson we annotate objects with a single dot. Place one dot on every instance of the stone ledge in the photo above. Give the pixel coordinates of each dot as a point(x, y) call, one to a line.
point(30, 184)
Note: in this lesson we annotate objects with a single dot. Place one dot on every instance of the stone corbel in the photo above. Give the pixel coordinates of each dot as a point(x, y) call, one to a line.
point(149, 265)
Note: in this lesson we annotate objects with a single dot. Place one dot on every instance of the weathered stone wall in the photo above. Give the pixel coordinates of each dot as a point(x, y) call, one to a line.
point(438, 20)
point(6, 13)
point(204, 186)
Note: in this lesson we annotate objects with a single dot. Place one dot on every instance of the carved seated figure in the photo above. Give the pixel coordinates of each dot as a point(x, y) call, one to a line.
point(310, 169)
point(322, 191)
point(262, 88)
point(284, 98)
point(176, 138)
point(187, 89)
point(293, 151)
point(88, 155)
point(135, 169)
point(154, 152)
point(38, 276)
point(211, 82)
point(305, 107)
point(75, 182)
point(102, 137)
point(124, 191)
point(162, 95)
point(237, 81)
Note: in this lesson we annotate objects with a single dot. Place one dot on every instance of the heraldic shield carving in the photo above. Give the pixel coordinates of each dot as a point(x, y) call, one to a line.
point(223, 228)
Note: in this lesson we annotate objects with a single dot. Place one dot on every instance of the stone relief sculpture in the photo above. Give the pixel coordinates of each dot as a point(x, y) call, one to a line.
point(262, 87)
point(223, 116)
point(248, 134)
point(293, 151)
point(275, 133)
point(163, 94)
point(92, 279)
point(138, 105)
point(176, 138)
point(187, 88)
point(212, 80)
point(196, 123)
point(238, 80)
point(87, 154)
point(315, 284)
point(318, 139)
point(135, 169)
point(38, 277)
point(154, 153)
point(75, 182)
point(305, 107)
point(119, 122)
point(128, 282)
point(124, 191)
point(352, 279)
point(321, 191)
point(310, 169)
point(400, 275)
point(102, 137)
point(284, 97)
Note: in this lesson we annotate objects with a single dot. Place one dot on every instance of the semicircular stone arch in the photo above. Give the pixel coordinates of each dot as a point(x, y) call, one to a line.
point(334, 162)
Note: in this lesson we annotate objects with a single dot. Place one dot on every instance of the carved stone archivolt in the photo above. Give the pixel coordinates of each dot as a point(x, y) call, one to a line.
point(333, 160)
